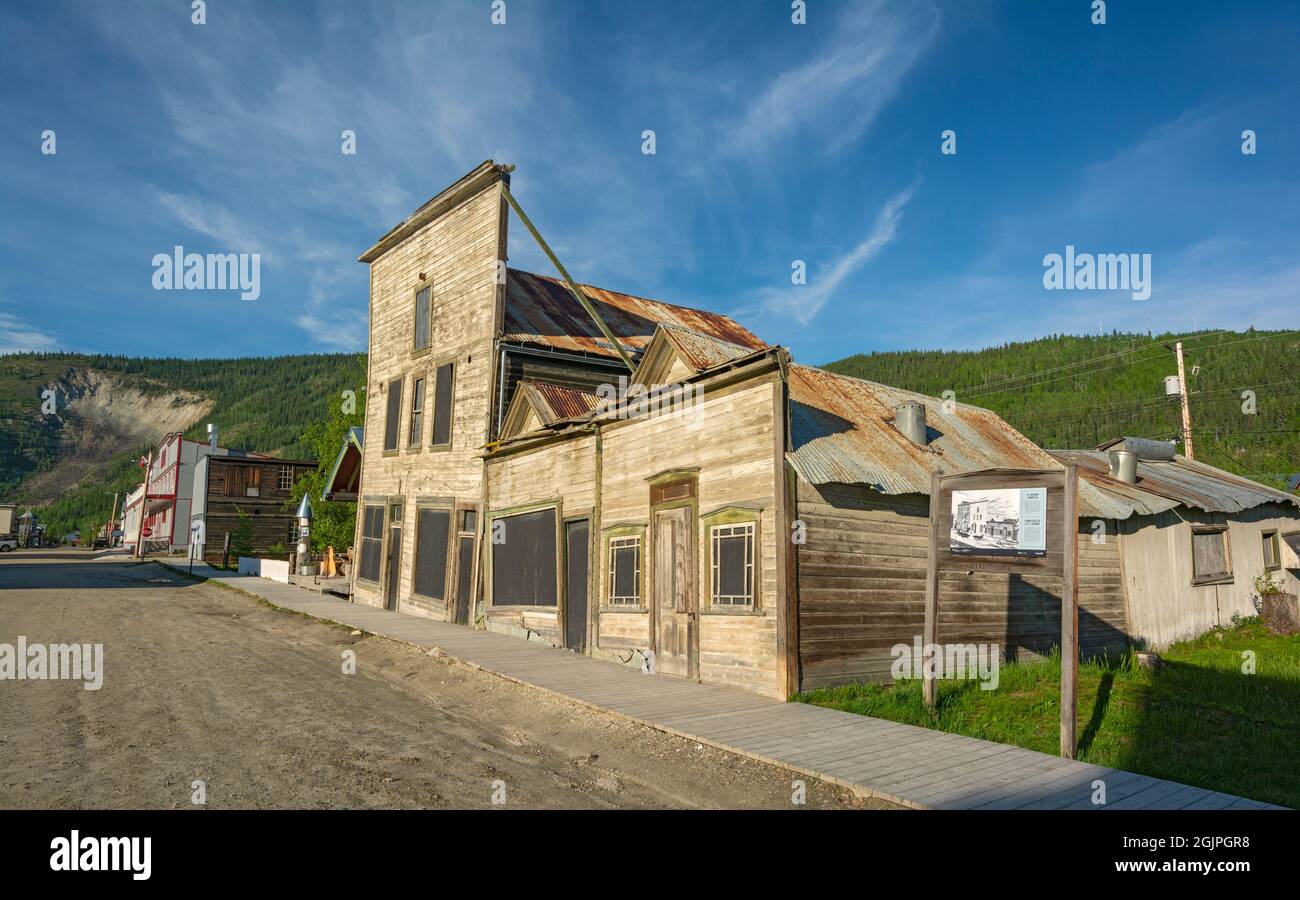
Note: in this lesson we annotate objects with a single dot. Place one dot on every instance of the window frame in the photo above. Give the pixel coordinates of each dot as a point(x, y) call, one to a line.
point(1223, 578)
point(745, 531)
point(606, 601)
point(436, 369)
point(434, 506)
point(417, 349)
point(617, 544)
point(415, 419)
point(285, 475)
point(733, 517)
point(365, 505)
point(1271, 537)
point(387, 410)
point(556, 509)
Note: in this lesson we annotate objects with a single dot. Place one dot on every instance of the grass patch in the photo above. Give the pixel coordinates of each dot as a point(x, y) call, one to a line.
point(1198, 720)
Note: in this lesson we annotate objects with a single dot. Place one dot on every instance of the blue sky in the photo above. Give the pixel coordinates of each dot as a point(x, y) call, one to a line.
point(775, 142)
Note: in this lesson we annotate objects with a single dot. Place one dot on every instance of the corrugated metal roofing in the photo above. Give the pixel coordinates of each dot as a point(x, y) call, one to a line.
point(701, 351)
point(564, 402)
point(540, 310)
point(1180, 482)
point(842, 433)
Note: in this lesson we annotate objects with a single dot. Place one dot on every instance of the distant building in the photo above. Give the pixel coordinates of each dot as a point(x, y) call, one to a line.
point(259, 487)
point(181, 484)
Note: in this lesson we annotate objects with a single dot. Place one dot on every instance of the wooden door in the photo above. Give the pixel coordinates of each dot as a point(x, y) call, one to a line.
point(464, 578)
point(575, 584)
point(394, 577)
point(674, 594)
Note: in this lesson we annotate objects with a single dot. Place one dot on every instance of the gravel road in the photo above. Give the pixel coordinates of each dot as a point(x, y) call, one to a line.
point(202, 683)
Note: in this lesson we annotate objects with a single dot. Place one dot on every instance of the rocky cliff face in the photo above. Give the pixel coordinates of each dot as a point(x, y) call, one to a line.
point(100, 415)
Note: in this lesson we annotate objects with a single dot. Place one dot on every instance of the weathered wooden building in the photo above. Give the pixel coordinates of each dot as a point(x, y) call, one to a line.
point(230, 489)
point(1192, 538)
point(656, 485)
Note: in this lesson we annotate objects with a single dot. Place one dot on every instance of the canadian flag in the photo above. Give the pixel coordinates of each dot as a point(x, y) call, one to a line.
point(144, 462)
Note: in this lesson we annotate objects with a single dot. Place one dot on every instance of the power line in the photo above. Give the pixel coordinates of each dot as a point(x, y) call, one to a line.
point(977, 390)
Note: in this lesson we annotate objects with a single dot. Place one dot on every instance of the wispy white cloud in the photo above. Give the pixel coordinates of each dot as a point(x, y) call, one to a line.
point(802, 302)
point(17, 335)
point(346, 332)
point(842, 90)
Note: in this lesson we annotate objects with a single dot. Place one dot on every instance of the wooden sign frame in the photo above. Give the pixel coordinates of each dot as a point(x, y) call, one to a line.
point(1062, 556)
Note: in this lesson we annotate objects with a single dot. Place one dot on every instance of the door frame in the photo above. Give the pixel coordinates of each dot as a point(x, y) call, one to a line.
point(659, 486)
point(395, 580)
point(587, 517)
point(457, 536)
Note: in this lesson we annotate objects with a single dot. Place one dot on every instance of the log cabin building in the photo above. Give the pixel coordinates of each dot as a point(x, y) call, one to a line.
point(655, 485)
point(255, 486)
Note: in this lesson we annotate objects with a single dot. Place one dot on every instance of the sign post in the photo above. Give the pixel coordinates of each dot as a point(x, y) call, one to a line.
point(1007, 521)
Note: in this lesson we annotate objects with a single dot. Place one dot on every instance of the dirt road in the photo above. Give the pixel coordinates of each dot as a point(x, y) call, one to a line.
point(202, 683)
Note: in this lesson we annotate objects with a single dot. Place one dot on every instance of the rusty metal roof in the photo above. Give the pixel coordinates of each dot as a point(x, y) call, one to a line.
point(843, 431)
point(540, 310)
point(1162, 485)
point(701, 351)
point(564, 402)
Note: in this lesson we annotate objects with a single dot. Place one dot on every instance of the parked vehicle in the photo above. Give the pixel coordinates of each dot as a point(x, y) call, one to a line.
point(7, 544)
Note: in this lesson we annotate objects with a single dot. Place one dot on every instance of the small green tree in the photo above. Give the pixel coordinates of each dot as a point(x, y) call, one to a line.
point(241, 539)
point(333, 522)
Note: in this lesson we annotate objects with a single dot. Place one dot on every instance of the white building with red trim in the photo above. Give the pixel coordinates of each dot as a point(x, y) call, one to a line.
point(166, 510)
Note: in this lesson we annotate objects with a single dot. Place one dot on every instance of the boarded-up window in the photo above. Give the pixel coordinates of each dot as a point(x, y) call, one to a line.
point(394, 414)
point(524, 562)
point(442, 405)
point(234, 481)
point(1210, 555)
point(733, 564)
point(1272, 550)
point(625, 571)
point(253, 481)
point(417, 413)
point(372, 538)
point(421, 319)
point(433, 530)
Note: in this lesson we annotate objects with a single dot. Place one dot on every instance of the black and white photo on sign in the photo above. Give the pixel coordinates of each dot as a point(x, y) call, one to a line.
point(999, 522)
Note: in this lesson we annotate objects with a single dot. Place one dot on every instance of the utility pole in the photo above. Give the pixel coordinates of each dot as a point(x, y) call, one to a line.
point(112, 519)
point(144, 497)
point(1182, 396)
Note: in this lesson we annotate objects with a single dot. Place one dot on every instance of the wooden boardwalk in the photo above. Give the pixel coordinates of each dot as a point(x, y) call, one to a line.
point(916, 767)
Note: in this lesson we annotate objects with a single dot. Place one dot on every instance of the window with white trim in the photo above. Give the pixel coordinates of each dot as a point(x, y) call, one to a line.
point(625, 571)
point(285, 481)
point(732, 560)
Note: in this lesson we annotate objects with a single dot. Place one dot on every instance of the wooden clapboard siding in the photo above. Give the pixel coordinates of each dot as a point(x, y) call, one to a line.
point(861, 580)
point(563, 473)
point(1157, 551)
point(731, 442)
point(457, 252)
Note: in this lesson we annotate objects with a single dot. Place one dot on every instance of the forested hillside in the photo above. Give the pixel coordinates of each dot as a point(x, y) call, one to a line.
point(1076, 392)
point(262, 404)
